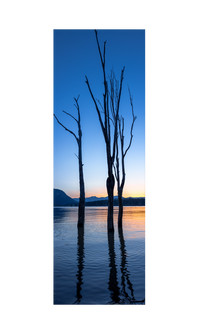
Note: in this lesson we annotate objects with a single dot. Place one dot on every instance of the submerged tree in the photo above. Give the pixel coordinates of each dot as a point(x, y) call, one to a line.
point(120, 185)
point(81, 208)
point(105, 126)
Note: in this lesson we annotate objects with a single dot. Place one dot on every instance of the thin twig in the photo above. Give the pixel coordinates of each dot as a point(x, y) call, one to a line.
point(70, 115)
point(109, 118)
point(76, 99)
point(100, 104)
point(79, 117)
point(76, 156)
point(104, 54)
point(79, 159)
point(116, 176)
point(117, 113)
point(99, 48)
point(120, 89)
point(131, 100)
point(134, 118)
point(67, 129)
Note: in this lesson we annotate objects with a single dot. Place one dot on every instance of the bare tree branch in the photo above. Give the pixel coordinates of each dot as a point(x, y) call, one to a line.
point(130, 137)
point(131, 101)
point(117, 113)
point(108, 115)
point(99, 48)
point(79, 117)
point(120, 89)
point(134, 118)
point(112, 93)
point(105, 111)
point(110, 119)
point(116, 91)
point(102, 126)
point(70, 115)
point(104, 54)
point(76, 99)
point(105, 95)
point(100, 105)
point(78, 159)
point(115, 170)
point(128, 146)
point(67, 129)
point(120, 130)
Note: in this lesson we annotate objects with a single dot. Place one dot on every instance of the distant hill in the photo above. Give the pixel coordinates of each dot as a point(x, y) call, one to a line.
point(62, 199)
point(126, 202)
point(91, 199)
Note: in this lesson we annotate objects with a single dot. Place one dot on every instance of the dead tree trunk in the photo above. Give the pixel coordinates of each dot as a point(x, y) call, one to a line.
point(81, 208)
point(120, 186)
point(105, 126)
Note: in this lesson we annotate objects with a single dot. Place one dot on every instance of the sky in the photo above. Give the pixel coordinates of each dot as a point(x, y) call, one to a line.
point(76, 55)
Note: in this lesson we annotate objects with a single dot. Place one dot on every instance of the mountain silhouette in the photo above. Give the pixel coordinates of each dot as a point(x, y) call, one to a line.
point(62, 199)
point(94, 198)
point(103, 201)
point(126, 202)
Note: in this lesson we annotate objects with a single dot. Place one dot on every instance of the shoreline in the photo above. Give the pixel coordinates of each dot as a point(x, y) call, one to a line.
point(71, 206)
point(132, 202)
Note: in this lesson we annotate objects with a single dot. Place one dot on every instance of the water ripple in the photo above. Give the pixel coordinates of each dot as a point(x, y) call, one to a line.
point(92, 266)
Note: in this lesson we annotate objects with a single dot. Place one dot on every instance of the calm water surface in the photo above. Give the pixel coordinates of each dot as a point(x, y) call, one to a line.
point(92, 266)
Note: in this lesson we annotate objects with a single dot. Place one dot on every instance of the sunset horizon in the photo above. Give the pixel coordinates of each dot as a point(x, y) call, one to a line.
point(102, 194)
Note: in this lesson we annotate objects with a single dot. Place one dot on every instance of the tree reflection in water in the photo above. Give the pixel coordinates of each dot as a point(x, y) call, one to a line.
point(80, 266)
point(124, 270)
point(118, 295)
point(112, 283)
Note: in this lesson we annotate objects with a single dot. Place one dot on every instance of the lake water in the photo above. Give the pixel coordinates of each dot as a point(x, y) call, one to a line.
point(92, 266)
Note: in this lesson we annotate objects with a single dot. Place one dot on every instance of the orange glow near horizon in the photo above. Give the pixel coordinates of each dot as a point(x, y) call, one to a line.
point(104, 194)
point(134, 190)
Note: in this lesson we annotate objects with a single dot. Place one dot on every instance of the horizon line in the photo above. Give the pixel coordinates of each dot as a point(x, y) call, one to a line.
point(102, 195)
point(113, 196)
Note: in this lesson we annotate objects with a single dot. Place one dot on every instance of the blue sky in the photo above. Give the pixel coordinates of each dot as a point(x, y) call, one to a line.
point(76, 55)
